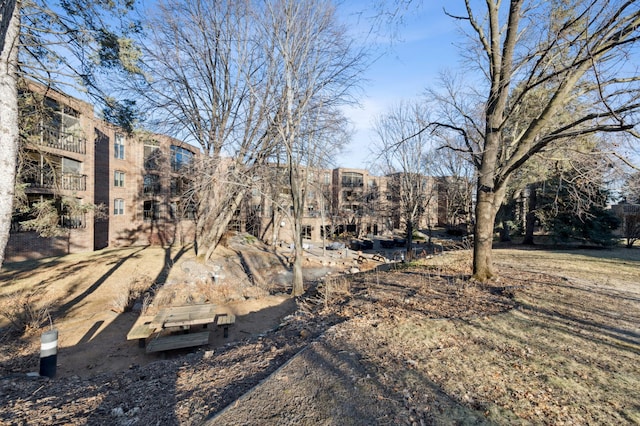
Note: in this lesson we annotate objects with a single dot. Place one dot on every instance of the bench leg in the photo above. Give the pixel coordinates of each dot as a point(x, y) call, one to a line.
point(226, 332)
point(141, 342)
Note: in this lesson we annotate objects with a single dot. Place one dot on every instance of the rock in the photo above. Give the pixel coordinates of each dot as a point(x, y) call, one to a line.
point(117, 412)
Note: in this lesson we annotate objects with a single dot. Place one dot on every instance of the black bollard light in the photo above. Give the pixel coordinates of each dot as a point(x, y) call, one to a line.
point(48, 353)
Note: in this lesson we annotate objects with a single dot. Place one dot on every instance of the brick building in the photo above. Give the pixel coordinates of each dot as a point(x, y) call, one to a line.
point(71, 158)
point(339, 202)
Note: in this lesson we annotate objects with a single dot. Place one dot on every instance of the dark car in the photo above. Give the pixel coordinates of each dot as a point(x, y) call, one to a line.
point(387, 243)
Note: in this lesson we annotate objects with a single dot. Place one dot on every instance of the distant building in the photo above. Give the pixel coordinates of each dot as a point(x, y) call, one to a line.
point(629, 215)
point(342, 202)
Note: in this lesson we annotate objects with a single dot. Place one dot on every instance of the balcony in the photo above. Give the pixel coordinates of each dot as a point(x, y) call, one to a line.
point(68, 181)
point(53, 138)
point(73, 222)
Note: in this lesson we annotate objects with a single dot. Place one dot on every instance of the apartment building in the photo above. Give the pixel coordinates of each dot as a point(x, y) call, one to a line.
point(113, 189)
point(339, 202)
point(109, 188)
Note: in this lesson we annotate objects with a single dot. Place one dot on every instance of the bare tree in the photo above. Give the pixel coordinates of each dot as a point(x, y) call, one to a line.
point(581, 54)
point(208, 81)
point(455, 173)
point(318, 66)
point(407, 163)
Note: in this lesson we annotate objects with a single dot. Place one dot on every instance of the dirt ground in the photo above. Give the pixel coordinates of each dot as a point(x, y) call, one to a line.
point(556, 340)
point(84, 298)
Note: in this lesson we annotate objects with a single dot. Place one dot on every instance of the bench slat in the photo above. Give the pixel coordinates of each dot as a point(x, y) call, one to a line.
point(225, 319)
point(177, 341)
point(142, 328)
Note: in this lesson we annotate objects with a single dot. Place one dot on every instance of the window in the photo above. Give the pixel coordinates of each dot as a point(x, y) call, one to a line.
point(152, 154)
point(180, 157)
point(179, 186)
point(71, 166)
point(119, 146)
point(150, 210)
point(118, 206)
point(72, 179)
point(151, 184)
point(352, 179)
point(306, 231)
point(118, 178)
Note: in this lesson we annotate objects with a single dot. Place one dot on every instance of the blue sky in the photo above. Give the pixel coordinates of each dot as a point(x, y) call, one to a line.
point(410, 62)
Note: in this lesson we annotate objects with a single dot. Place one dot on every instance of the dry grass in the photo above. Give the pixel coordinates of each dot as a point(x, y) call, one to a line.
point(131, 292)
point(26, 311)
point(568, 353)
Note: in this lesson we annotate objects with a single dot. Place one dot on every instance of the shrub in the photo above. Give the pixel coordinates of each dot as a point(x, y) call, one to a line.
point(24, 311)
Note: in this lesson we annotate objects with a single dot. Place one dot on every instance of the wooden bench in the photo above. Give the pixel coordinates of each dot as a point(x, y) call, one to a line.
point(177, 341)
point(224, 320)
point(142, 329)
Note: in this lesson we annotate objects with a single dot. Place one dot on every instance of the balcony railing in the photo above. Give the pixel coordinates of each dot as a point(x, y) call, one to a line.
point(73, 222)
point(352, 184)
point(68, 181)
point(53, 138)
point(74, 182)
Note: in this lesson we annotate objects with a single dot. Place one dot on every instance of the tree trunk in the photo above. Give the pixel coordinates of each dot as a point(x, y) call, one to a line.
point(483, 237)
point(409, 244)
point(297, 287)
point(530, 217)
point(297, 200)
point(213, 226)
point(505, 232)
point(486, 211)
point(8, 116)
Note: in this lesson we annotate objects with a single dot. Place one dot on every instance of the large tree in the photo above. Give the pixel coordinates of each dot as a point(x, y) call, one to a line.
point(9, 30)
point(318, 66)
point(554, 55)
point(207, 79)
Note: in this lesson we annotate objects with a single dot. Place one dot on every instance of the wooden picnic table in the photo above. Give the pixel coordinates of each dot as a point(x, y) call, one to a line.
point(185, 316)
point(175, 318)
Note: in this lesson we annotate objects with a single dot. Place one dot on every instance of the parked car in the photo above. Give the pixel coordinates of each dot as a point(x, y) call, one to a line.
point(336, 246)
point(387, 243)
point(399, 242)
point(361, 244)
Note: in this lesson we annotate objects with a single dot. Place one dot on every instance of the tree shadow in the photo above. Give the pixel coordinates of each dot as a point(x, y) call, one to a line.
point(62, 309)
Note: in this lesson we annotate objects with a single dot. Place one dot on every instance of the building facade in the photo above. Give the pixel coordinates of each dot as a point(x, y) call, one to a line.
point(109, 188)
point(340, 203)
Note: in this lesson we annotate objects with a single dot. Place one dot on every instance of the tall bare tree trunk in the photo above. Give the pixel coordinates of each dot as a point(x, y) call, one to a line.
point(297, 198)
point(409, 242)
point(530, 217)
point(486, 210)
point(483, 236)
point(9, 31)
point(216, 222)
